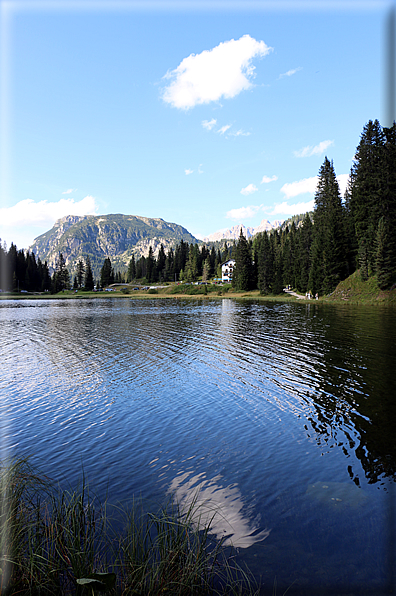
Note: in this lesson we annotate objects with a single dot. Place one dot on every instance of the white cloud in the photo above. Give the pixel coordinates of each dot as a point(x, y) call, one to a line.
point(223, 71)
point(243, 212)
point(342, 180)
point(239, 133)
point(28, 212)
point(289, 73)
point(224, 128)
point(209, 124)
point(67, 192)
point(267, 179)
point(187, 172)
point(293, 189)
point(200, 171)
point(313, 150)
point(249, 189)
point(289, 210)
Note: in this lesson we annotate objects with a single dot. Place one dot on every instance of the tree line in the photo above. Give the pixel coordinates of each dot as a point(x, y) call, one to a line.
point(21, 271)
point(343, 235)
point(357, 233)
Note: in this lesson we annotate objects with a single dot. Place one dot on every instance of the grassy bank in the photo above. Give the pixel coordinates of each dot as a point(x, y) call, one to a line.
point(57, 542)
point(356, 291)
point(352, 290)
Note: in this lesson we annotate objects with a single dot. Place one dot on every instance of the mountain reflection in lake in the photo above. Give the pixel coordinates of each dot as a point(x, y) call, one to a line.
point(258, 405)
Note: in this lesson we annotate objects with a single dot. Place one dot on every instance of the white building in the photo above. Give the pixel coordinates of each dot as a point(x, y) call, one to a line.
point(227, 269)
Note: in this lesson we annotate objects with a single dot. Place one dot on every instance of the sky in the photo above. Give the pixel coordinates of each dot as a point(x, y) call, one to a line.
point(207, 114)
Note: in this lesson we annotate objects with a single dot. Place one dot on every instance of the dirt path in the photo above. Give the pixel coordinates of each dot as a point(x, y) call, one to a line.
point(298, 296)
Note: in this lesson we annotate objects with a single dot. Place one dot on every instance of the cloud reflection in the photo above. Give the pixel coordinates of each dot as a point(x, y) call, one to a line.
point(219, 507)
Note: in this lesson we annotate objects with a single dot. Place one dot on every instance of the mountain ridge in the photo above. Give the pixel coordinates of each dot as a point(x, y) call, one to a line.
point(116, 236)
point(248, 231)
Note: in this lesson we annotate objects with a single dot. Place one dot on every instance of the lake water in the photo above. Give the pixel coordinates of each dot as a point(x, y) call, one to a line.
point(282, 415)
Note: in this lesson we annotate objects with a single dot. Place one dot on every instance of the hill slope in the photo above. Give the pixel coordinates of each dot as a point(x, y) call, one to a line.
point(99, 236)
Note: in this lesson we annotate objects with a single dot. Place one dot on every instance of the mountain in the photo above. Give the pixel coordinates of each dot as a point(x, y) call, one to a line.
point(234, 232)
point(99, 236)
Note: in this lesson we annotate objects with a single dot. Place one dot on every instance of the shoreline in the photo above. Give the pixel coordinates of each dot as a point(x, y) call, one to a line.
point(382, 299)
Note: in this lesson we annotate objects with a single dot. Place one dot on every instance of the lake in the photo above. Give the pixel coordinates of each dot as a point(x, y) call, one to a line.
point(281, 415)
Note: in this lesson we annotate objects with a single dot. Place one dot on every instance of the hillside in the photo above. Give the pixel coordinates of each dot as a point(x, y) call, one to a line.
point(354, 290)
point(99, 236)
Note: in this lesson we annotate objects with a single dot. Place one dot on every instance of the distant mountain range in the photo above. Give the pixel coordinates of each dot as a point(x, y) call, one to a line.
point(234, 232)
point(119, 236)
point(99, 236)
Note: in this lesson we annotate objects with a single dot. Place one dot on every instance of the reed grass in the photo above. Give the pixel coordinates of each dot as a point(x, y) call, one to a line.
point(66, 542)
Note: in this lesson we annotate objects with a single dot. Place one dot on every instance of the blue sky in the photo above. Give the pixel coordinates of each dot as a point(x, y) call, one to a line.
point(205, 115)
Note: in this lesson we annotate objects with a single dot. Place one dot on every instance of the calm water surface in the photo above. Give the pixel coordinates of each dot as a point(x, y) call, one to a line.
point(282, 415)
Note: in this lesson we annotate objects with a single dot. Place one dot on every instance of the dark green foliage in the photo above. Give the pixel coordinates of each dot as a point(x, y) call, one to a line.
point(264, 264)
point(80, 273)
point(371, 199)
point(131, 273)
point(243, 275)
point(367, 187)
point(61, 278)
point(384, 255)
point(160, 264)
point(106, 274)
point(304, 242)
point(88, 279)
point(21, 271)
point(150, 266)
point(328, 263)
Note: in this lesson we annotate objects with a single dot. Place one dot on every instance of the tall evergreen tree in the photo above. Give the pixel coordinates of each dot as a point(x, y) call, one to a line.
point(106, 273)
point(264, 263)
point(242, 277)
point(61, 278)
point(365, 198)
point(131, 273)
point(150, 266)
point(161, 261)
point(328, 264)
point(80, 273)
point(88, 279)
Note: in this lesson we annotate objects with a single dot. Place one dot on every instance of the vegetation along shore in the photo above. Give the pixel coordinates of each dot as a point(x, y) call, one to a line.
point(62, 542)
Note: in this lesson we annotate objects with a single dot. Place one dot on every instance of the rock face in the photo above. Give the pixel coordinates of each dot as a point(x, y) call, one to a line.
point(248, 232)
point(100, 236)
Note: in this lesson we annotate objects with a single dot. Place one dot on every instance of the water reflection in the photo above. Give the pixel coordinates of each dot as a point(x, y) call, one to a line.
point(333, 368)
point(218, 507)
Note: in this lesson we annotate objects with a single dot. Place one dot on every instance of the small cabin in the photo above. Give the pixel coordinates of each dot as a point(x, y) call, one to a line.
point(226, 270)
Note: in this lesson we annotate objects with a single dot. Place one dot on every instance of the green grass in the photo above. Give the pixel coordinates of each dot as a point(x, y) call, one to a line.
point(61, 542)
point(355, 290)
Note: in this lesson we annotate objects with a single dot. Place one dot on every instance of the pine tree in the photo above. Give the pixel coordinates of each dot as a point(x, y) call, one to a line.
point(131, 274)
point(264, 263)
point(206, 269)
point(328, 263)
point(305, 235)
point(385, 265)
point(150, 266)
point(61, 279)
point(191, 268)
point(106, 273)
point(367, 186)
point(161, 261)
point(80, 273)
point(242, 277)
point(88, 279)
